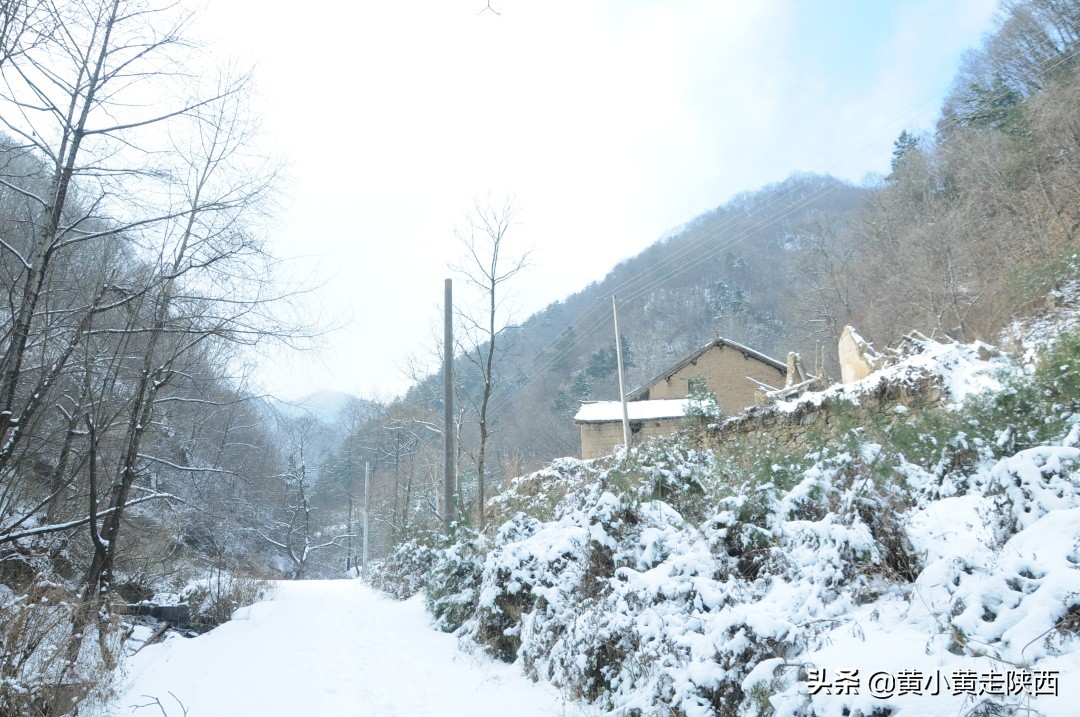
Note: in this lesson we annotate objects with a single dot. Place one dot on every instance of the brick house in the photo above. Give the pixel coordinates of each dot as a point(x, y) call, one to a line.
point(721, 367)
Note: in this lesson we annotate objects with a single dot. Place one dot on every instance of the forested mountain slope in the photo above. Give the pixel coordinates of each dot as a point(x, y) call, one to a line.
point(133, 460)
point(134, 280)
point(975, 225)
point(738, 272)
point(903, 545)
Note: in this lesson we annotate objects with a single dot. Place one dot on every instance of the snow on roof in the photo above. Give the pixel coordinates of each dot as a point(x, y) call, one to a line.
point(601, 411)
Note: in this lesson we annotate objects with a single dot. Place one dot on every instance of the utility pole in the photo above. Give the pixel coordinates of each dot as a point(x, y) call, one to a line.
point(349, 562)
point(622, 384)
point(367, 502)
point(448, 409)
point(350, 559)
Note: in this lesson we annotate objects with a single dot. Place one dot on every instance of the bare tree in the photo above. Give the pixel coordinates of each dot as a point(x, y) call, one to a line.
point(128, 186)
point(199, 298)
point(64, 100)
point(19, 18)
point(487, 266)
point(292, 526)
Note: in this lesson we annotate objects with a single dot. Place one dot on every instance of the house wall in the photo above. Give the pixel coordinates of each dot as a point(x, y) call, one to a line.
point(600, 439)
point(725, 370)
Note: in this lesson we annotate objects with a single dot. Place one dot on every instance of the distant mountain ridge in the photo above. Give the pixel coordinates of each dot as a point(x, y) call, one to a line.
point(731, 272)
point(324, 405)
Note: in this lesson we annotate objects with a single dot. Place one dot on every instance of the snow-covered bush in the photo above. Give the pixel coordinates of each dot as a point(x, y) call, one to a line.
point(1037, 403)
point(212, 600)
point(702, 407)
point(539, 493)
point(520, 575)
point(672, 471)
point(404, 572)
point(693, 582)
point(452, 589)
point(56, 650)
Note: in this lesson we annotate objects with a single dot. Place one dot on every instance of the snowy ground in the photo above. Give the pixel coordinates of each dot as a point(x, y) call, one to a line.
point(327, 648)
point(923, 566)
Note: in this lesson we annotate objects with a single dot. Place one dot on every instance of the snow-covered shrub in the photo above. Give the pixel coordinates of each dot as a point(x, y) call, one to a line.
point(521, 574)
point(702, 407)
point(1038, 403)
point(577, 635)
point(538, 494)
point(406, 571)
point(716, 686)
point(780, 501)
point(672, 471)
point(1030, 484)
point(212, 601)
point(938, 444)
point(739, 534)
point(452, 589)
point(56, 650)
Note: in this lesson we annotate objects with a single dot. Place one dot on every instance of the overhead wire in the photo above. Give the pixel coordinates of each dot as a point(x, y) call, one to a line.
point(596, 315)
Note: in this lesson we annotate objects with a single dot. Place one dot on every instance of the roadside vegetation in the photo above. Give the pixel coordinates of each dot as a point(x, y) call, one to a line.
point(710, 581)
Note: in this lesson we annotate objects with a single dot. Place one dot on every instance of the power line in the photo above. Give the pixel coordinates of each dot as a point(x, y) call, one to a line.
point(594, 317)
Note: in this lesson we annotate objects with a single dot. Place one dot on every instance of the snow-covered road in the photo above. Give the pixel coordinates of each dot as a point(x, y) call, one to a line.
point(327, 648)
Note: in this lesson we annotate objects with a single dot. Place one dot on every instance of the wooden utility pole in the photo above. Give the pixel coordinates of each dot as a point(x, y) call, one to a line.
point(622, 383)
point(448, 409)
point(367, 505)
point(350, 562)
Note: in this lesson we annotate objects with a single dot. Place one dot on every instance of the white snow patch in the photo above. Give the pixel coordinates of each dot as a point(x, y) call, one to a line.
point(328, 648)
point(636, 410)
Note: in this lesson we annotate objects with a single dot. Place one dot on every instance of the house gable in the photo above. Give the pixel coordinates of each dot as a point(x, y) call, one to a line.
point(722, 368)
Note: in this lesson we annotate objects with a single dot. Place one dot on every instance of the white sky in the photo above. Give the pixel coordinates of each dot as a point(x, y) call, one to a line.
point(611, 122)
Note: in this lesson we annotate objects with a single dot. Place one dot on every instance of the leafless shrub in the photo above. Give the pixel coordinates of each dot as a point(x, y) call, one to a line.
point(214, 600)
point(57, 650)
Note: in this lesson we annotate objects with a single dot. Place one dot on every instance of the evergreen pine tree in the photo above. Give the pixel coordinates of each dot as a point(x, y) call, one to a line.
point(903, 144)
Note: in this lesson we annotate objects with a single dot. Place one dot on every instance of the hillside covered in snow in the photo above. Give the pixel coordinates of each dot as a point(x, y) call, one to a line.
point(906, 545)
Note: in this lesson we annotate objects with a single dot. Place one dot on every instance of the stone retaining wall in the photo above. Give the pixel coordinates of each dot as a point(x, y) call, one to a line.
point(837, 409)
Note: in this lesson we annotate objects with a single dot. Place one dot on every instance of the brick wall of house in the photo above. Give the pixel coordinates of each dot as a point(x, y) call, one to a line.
point(600, 439)
point(724, 369)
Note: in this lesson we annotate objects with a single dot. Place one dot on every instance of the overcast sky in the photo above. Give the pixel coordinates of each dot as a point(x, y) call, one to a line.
point(610, 122)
